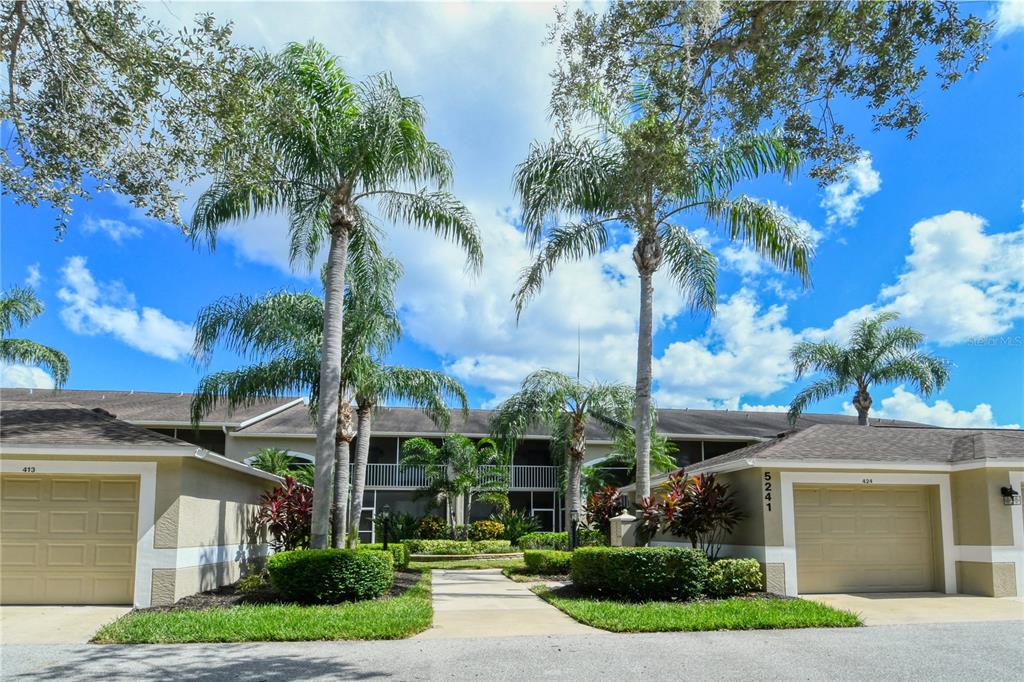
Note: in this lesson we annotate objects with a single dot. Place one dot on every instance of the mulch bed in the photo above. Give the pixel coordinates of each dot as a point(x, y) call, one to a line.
point(227, 597)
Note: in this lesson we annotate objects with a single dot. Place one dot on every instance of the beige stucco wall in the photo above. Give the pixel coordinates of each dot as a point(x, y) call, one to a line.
point(979, 515)
point(985, 579)
point(217, 505)
point(170, 585)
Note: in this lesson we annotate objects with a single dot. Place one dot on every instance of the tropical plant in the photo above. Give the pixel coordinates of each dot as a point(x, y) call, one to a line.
point(19, 306)
point(285, 512)
point(401, 526)
point(430, 528)
point(565, 406)
point(875, 354)
point(459, 471)
point(638, 175)
point(139, 120)
point(701, 509)
point(517, 523)
point(609, 470)
point(323, 149)
point(280, 463)
point(602, 507)
point(426, 389)
point(486, 529)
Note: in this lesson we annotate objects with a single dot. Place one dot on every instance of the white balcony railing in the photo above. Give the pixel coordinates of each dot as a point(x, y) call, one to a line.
point(521, 477)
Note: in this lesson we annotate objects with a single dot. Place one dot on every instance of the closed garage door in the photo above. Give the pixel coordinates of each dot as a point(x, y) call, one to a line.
point(68, 539)
point(864, 539)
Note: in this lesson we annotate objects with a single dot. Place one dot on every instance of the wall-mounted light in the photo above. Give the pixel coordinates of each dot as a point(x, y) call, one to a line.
point(1010, 496)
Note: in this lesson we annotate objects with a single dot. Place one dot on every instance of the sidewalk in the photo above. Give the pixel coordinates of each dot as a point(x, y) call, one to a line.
point(485, 603)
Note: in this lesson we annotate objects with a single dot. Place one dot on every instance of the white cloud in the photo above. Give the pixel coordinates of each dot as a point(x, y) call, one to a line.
point(959, 281)
point(23, 376)
point(903, 404)
point(117, 230)
point(92, 308)
point(1009, 16)
point(34, 277)
point(842, 200)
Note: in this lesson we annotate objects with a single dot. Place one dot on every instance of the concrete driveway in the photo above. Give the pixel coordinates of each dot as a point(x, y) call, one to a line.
point(901, 608)
point(55, 624)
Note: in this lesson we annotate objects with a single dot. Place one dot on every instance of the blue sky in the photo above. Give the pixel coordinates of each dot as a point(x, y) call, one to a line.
point(929, 227)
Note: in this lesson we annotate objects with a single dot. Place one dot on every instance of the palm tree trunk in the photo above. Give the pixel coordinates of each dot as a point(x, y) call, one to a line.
point(572, 488)
point(330, 382)
point(364, 415)
point(862, 401)
point(342, 456)
point(647, 256)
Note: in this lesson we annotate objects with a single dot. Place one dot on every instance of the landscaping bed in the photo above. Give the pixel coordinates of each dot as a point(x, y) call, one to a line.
point(225, 615)
point(759, 611)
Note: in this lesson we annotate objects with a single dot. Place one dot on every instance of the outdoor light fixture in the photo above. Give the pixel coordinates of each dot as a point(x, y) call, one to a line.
point(385, 517)
point(1010, 496)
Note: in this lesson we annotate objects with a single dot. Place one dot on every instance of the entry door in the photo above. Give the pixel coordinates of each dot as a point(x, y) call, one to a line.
point(68, 539)
point(864, 539)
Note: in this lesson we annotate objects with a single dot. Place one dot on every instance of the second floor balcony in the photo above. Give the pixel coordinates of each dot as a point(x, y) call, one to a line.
point(520, 477)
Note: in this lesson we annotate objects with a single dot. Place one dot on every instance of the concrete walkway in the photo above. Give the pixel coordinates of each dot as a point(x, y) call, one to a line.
point(55, 624)
point(485, 603)
point(903, 608)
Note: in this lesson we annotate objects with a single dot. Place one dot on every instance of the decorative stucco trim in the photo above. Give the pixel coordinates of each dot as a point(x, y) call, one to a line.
point(269, 413)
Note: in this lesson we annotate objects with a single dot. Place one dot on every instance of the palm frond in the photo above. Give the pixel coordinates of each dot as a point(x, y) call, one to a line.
point(692, 266)
point(824, 356)
point(280, 376)
point(822, 389)
point(926, 372)
point(18, 305)
point(440, 212)
point(25, 352)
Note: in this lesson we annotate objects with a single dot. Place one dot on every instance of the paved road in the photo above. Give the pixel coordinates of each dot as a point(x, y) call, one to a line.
point(968, 651)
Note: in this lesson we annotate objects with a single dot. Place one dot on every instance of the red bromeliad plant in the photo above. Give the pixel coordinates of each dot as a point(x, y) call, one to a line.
point(602, 506)
point(286, 512)
point(700, 508)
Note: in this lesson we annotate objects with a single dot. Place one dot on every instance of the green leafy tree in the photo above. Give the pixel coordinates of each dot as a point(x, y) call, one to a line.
point(19, 306)
point(280, 463)
point(460, 471)
point(875, 354)
point(100, 97)
point(633, 175)
point(564, 405)
point(714, 70)
point(325, 151)
point(624, 457)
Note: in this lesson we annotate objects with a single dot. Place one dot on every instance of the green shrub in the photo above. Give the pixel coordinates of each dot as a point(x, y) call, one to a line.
point(458, 546)
point(592, 538)
point(559, 541)
point(517, 524)
point(399, 552)
point(250, 583)
point(430, 527)
point(329, 576)
point(486, 530)
point(729, 577)
point(640, 573)
point(547, 561)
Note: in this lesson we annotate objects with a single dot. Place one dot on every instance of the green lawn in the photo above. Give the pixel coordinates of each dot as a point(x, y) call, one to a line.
point(390, 618)
point(727, 614)
point(468, 564)
point(518, 574)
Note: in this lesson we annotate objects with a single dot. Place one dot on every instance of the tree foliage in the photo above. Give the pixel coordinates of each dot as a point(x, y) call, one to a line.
point(714, 70)
point(875, 354)
point(18, 307)
point(97, 96)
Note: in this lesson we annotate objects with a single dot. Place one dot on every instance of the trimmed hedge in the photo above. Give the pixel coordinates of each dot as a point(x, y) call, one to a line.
point(399, 552)
point(547, 562)
point(488, 529)
point(560, 541)
point(458, 546)
point(641, 573)
point(729, 577)
point(330, 576)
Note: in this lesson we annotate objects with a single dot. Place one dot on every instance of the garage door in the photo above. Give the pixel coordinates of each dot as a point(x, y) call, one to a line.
point(68, 539)
point(863, 539)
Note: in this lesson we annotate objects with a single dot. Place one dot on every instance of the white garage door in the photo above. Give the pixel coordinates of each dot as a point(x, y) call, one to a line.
point(864, 539)
point(68, 539)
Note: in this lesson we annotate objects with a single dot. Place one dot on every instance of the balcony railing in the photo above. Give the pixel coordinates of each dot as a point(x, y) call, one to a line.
point(520, 477)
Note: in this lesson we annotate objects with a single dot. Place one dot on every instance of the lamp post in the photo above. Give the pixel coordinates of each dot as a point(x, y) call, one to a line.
point(574, 526)
point(385, 517)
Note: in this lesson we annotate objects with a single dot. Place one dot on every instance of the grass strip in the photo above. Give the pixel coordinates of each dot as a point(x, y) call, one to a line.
point(467, 564)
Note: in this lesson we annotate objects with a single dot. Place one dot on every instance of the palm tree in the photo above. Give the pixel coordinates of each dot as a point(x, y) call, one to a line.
point(282, 331)
point(564, 405)
point(280, 463)
point(624, 457)
point(875, 354)
point(426, 389)
point(324, 150)
point(460, 470)
point(19, 305)
point(635, 175)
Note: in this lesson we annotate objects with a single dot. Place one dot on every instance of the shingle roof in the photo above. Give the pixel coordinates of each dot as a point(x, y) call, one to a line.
point(756, 424)
point(879, 444)
point(63, 424)
point(143, 407)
